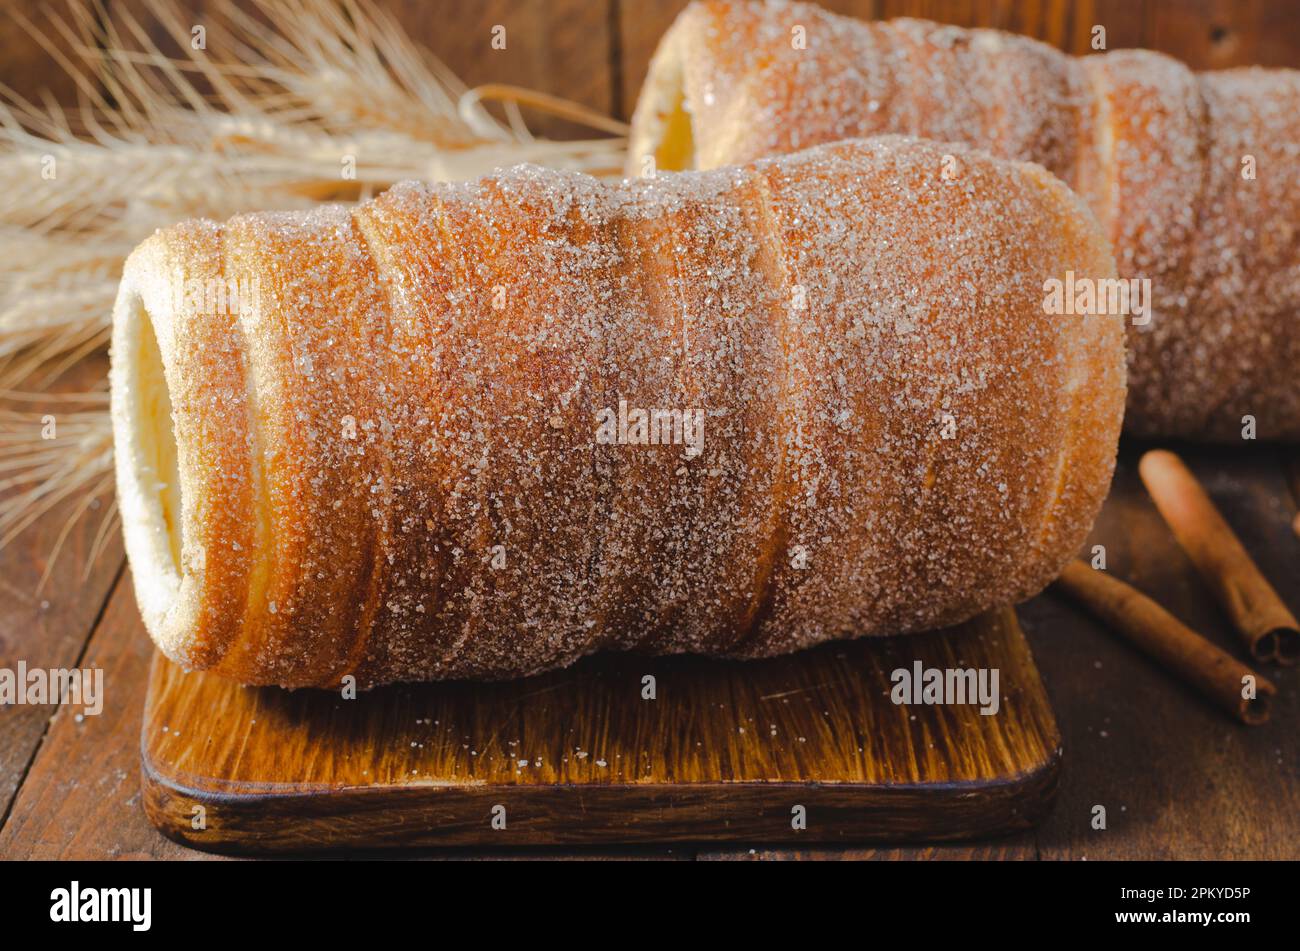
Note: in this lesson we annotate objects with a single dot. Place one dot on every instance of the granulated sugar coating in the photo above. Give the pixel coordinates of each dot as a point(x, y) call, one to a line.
point(390, 460)
point(1195, 177)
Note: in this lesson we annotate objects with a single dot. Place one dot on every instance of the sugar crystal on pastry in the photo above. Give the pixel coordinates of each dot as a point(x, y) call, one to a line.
point(1195, 177)
point(897, 436)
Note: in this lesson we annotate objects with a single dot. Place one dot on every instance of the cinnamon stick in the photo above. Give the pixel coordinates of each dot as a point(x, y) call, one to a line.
point(1268, 627)
point(1127, 611)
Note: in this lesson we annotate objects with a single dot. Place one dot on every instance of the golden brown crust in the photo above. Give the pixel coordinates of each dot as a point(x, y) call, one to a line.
point(1157, 151)
point(195, 608)
point(389, 452)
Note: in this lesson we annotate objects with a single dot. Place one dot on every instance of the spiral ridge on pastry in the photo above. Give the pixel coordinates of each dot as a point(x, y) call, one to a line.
point(366, 441)
point(1195, 177)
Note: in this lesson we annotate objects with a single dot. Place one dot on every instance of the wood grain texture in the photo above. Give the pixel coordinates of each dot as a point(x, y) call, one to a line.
point(1216, 34)
point(1177, 778)
point(596, 51)
point(81, 798)
point(1173, 773)
point(560, 48)
point(1124, 20)
point(578, 757)
point(26, 67)
point(638, 27)
point(47, 626)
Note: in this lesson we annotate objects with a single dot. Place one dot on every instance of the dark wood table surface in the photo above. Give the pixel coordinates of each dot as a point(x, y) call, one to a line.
point(1177, 778)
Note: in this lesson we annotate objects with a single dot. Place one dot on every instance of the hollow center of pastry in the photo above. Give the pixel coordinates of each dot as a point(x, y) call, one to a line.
point(676, 149)
point(159, 472)
point(663, 128)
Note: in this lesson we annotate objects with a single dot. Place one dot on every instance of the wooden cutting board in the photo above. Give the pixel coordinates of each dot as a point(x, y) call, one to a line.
point(726, 751)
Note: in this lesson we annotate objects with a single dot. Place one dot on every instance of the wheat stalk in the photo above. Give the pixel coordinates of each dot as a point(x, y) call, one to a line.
point(289, 104)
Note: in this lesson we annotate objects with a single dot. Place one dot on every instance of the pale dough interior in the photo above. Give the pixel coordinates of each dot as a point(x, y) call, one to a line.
point(149, 485)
